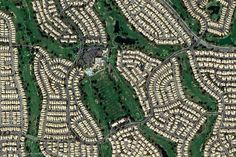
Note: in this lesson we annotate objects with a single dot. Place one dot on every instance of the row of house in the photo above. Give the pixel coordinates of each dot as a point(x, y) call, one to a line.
point(161, 96)
point(130, 142)
point(7, 29)
point(68, 149)
point(220, 27)
point(88, 22)
point(135, 66)
point(215, 72)
point(71, 22)
point(50, 21)
point(155, 21)
point(175, 117)
point(13, 109)
point(65, 128)
point(60, 21)
point(81, 3)
point(120, 122)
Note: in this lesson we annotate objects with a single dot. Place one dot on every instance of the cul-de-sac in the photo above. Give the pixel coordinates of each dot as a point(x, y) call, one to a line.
point(117, 78)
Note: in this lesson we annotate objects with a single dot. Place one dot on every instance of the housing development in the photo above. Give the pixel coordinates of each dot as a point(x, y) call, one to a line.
point(117, 78)
point(13, 109)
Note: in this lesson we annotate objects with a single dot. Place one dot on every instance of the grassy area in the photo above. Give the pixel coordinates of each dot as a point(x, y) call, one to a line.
point(198, 143)
point(33, 99)
point(192, 88)
point(105, 149)
point(109, 98)
point(168, 146)
point(192, 23)
point(89, 99)
point(214, 9)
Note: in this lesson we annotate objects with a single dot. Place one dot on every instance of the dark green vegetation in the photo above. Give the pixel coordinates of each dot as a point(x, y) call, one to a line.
point(165, 144)
point(192, 87)
point(198, 143)
point(106, 149)
point(214, 9)
point(33, 99)
point(192, 23)
point(197, 95)
point(109, 97)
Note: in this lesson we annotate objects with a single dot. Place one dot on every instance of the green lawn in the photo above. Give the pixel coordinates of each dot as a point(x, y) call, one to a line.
point(168, 146)
point(96, 109)
point(198, 143)
point(105, 149)
point(214, 5)
point(192, 88)
point(110, 98)
point(180, 8)
point(33, 98)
